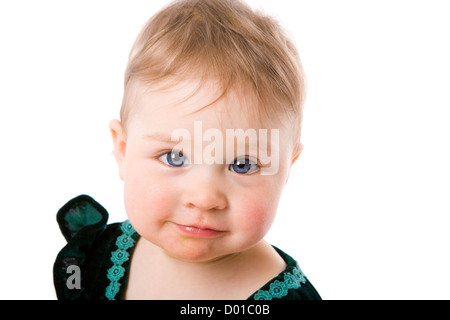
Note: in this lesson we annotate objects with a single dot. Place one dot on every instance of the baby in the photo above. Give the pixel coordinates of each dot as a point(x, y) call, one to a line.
point(209, 129)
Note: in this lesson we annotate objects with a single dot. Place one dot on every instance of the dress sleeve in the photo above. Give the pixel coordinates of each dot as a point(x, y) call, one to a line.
point(81, 221)
point(78, 213)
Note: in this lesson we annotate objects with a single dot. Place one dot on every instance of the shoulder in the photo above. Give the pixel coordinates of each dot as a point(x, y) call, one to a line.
point(83, 223)
point(291, 284)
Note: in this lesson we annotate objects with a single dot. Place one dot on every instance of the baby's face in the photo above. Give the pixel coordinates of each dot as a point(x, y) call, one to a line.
point(199, 198)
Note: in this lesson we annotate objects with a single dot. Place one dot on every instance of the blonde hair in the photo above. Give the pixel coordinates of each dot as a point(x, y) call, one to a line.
point(227, 41)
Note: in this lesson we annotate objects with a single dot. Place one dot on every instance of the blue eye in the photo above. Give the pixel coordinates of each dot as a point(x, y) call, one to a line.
point(173, 158)
point(244, 166)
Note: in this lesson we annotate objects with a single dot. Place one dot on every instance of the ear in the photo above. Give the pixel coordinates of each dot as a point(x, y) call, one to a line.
point(119, 143)
point(298, 150)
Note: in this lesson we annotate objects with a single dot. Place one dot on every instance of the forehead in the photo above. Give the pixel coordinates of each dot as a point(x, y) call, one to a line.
point(170, 105)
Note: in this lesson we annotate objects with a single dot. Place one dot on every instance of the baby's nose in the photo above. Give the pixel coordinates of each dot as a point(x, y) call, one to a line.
point(205, 194)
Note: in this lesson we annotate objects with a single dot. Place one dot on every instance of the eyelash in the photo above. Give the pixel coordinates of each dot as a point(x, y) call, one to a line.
point(247, 162)
point(166, 153)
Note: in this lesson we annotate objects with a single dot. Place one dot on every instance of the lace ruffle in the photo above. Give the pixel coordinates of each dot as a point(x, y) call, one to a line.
point(121, 255)
point(279, 289)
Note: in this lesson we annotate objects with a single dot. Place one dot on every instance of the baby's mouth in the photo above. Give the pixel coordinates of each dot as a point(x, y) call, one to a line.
point(197, 231)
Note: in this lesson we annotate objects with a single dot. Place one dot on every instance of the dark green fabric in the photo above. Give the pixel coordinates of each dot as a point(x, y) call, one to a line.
point(83, 223)
point(78, 213)
point(88, 247)
point(305, 292)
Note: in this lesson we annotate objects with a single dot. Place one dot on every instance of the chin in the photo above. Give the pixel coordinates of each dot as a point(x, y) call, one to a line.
point(191, 254)
point(190, 251)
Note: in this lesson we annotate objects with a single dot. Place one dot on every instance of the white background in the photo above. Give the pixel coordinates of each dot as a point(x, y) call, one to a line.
point(366, 210)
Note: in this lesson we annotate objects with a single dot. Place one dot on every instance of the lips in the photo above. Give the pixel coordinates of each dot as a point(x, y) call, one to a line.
point(197, 231)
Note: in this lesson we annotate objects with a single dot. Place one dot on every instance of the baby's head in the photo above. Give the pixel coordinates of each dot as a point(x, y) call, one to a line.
point(210, 126)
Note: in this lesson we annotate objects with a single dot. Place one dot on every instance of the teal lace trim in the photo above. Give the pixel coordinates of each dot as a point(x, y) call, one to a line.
point(279, 289)
point(118, 257)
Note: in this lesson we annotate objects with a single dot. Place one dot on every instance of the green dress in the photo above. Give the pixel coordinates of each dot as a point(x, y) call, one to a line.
point(101, 255)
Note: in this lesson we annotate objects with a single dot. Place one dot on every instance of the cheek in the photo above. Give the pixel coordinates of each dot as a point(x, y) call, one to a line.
point(147, 199)
point(256, 215)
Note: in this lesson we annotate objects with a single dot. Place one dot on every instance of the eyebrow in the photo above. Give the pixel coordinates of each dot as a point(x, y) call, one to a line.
point(161, 137)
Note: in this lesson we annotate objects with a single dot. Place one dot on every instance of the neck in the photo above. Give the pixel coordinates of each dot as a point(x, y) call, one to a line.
point(223, 266)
